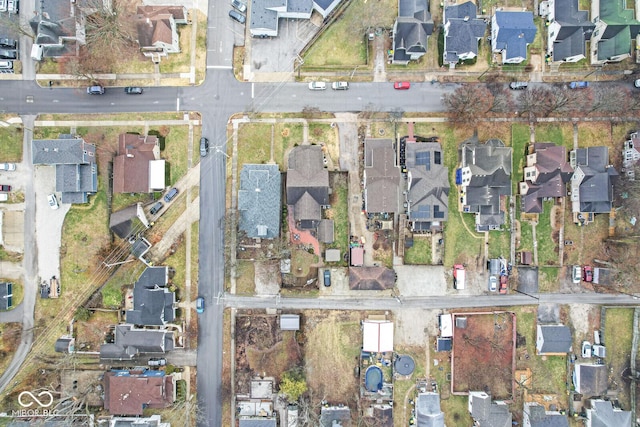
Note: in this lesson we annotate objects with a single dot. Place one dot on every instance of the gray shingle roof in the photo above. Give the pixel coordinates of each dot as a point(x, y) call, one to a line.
point(463, 30)
point(335, 413)
point(411, 30)
point(515, 31)
point(259, 200)
point(129, 342)
point(307, 183)
point(153, 303)
point(257, 422)
point(64, 150)
point(591, 380)
point(553, 173)
point(428, 410)
point(596, 186)
point(381, 176)
point(575, 30)
point(553, 339)
point(602, 414)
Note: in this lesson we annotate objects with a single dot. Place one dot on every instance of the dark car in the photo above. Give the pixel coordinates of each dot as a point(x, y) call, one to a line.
point(402, 85)
point(133, 90)
point(5, 188)
point(8, 54)
point(156, 208)
point(237, 16)
point(10, 43)
point(204, 146)
point(327, 277)
point(95, 90)
point(171, 195)
point(587, 273)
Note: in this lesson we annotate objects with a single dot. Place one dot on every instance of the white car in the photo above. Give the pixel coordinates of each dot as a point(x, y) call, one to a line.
point(586, 350)
point(340, 85)
point(493, 283)
point(7, 166)
point(317, 86)
point(3, 5)
point(635, 83)
point(576, 274)
point(53, 201)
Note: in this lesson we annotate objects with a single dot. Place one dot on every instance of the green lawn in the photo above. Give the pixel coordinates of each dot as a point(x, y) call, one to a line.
point(339, 212)
point(558, 133)
point(11, 140)
point(420, 253)
point(618, 335)
point(520, 136)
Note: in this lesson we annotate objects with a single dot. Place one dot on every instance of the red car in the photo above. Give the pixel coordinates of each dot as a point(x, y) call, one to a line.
point(587, 273)
point(402, 85)
point(504, 284)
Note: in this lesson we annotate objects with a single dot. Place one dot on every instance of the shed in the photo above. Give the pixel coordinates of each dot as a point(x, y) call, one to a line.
point(6, 295)
point(445, 323)
point(461, 322)
point(290, 322)
point(525, 258)
point(332, 255)
point(377, 336)
point(65, 344)
point(357, 256)
point(444, 344)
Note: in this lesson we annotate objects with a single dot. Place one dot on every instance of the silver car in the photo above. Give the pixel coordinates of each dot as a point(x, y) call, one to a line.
point(239, 5)
point(7, 166)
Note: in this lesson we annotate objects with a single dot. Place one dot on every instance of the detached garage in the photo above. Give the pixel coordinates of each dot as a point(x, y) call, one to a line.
point(377, 336)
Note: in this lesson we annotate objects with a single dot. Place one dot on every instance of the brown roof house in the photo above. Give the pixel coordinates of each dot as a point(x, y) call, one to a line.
point(130, 392)
point(381, 177)
point(371, 278)
point(158, 30)
point(546, 174)
point(138, 168)
point(307, 185)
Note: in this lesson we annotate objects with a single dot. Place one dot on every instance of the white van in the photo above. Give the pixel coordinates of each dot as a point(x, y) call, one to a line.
point(36, 52)
point(6, 65)
point(458, 276)
point(4, 197)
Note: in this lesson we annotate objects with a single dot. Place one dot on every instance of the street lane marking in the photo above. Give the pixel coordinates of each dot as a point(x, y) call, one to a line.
point(220, 67)
point(177, 104)
point(253, 86)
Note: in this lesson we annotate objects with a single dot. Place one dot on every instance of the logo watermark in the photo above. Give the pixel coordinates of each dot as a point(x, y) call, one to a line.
point(35, 399)
point(37, 404)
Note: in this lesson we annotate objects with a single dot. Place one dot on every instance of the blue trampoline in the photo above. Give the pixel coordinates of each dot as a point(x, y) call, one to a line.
point(373, 379)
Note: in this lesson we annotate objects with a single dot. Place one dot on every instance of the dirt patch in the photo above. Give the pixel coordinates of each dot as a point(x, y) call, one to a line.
point(483, 354)
point(90, 333)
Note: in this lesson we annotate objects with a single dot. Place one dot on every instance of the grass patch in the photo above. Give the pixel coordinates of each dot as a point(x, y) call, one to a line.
point(618, 335)
point(301, 262)
point(254, 141)
point(592, 134)
point(500, 243)
point(178, 261)
point(11, 140)
point(547, 254)
point(112, 117)
point(548, 279)
point(175, 151)
point(245, 278)
point(6, 255)
point(520, 137)
point(558, 133)
point(339, 212)
point(123, 200)
point(420, 252)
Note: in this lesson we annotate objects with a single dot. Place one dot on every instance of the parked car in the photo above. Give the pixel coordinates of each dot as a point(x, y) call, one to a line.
point(5, 188)
point(327, 277)
point(578, 85)
point(3, 5)
point(636, 83)
point(4, 197)
point(458, 276)
point(200, 305)
point(317, 86)
point(7, 166)
point(12, 6)
point(586, 349)
point(133, 90)
point(493, 283)
point(171, 195)
point(8, 54)
point(6, 65)
point(53, 201)
point(587, 273)
point(576, 274)
point(402, 85)
point(157, 361)
point(340, 85)
point(504, 284)
point(518, 85)
point(204, 146)
point(237, 16)
point(156, 208)
point(95, 90)
point(10, 43)
point(239, 5)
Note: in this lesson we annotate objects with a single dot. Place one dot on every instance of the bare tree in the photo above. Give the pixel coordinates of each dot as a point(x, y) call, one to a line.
point(19, 26)
point(110, 31)
point(502, 99)
point(608, 100)
point(468, 103)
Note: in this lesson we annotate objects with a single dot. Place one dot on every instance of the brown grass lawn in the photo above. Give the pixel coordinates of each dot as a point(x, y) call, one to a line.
point(245, 281)
point(11, 333)
point(90, 333)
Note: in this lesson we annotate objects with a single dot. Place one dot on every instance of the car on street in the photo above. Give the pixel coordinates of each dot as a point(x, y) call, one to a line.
point(239, 5)
point(95, 90)
point(8, 54)
point(12, 6)
point(586, 350)
point(327, 277)
point(578, 85)
point(401, 85)
point(53, 201)
point(7, 166)
point(200, 305)
point(636, 83)
point(156, 208)
point(5, 188)
point(237, 16)
point(317, 86)
point(133, 90)
point(504, 284)
point(493, 283)
point(10, 43)
point(204, 146)
point(159, 361)
point(576, 274)
point(518, 85)
point(340, 85)
point(587, 273)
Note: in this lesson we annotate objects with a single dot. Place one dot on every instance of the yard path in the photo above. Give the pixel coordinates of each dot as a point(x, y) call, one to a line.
point(406, 401)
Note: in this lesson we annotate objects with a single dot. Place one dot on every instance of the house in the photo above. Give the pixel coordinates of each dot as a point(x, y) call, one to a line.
point(265, 14)
point(427, 186)
point(150, 421)
point(601, 413)
point(381, 415)
point(75, 162)
point(428, 412)
point(157, 29)
point(371, 278)
point(590, 379)
point(381, 177)
point(511, 33)
point(486, 413)
point(614, 32)
point(553, 340)
point(6, 295)
point(591, 183)
point(377, 336)
point(535, 415)
point(546, 175)
point(568, 30)
point(129, 342)
point(58, 27)
point(153, 303)
point(484, 178)
point(259, 201)
point(137, 166)
point(462, 32)
point(631, 155)
point(307, 185)
point(411, 30)
point(128, 221)
point(130, 392)
point(335, 416)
